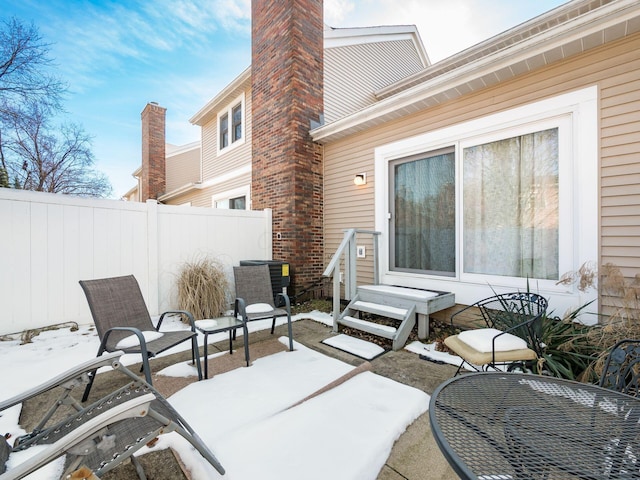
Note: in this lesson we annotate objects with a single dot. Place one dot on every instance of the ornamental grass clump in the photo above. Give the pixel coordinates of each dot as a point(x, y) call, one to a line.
point(620, 320)
point(202, 288)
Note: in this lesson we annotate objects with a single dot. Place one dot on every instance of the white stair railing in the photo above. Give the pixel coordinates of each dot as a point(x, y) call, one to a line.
point(347, 251)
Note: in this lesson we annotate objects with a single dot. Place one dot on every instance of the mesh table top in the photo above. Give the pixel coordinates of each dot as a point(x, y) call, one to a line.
point(499, 426)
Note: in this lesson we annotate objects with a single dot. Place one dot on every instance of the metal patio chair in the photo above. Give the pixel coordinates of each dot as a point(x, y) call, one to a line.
point(621, 370)
point(123, 322)
point(511, 338)
point(255, 300)
point(95, 438)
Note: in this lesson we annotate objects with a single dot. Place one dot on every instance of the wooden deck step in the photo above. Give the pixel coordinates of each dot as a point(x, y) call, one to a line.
point(378, 309)
point(384, 331)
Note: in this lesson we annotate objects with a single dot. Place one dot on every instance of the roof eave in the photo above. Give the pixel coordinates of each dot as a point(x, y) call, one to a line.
point(205, 113)
point(493, 68)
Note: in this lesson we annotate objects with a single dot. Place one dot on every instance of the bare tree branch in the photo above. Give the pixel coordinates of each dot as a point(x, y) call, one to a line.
point(33, 154)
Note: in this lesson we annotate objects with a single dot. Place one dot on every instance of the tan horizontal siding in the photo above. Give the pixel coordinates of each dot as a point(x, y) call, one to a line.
point(197, 198)
point(182, 169)
point(214, 164)
point(614, 68)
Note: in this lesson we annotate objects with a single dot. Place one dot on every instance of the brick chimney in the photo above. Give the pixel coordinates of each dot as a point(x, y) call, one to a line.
point(287, 94)
point(153, 151)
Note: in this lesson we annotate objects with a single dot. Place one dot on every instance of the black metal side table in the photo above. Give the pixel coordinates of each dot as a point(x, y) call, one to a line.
point(493, 426)
point(216, 325)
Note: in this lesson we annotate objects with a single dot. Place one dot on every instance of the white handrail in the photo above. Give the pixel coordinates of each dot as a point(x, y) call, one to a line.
point(348, 249)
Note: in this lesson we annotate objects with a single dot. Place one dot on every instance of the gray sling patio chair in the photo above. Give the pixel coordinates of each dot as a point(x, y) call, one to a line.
point(255, 300)
point(120, 313)
point(95, 438)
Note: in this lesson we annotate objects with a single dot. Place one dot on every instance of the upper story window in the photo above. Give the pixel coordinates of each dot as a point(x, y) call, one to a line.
point(231, 125)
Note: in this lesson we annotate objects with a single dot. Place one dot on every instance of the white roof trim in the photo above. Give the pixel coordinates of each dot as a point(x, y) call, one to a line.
point(171, 149)
point(202, 116)
point(342, 37)
point(495, 66)
point(208, 183)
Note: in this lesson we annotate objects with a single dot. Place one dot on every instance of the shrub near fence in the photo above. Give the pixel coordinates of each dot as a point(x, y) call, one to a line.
point(49, 242)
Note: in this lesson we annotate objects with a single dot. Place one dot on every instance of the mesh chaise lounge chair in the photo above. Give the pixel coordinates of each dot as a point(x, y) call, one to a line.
point(255, 300)
point(123, 322)
point(98, 437)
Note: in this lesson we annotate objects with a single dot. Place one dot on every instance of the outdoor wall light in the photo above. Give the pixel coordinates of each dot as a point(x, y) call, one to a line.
point(360, 179)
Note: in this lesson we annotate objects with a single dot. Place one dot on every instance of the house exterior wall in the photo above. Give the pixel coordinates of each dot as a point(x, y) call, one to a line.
point(614, 69)
point(216, 163)
point(182, 168)
point(352, 73)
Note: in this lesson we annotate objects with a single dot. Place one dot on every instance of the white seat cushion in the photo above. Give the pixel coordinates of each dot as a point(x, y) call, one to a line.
point(481, 340)
point(259, 308)
point(132, 340)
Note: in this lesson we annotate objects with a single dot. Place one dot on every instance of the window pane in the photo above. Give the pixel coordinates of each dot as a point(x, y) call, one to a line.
point(424, 214)
point(237, 122)
point(238, 203)
point(224, 131)
point(510, 207)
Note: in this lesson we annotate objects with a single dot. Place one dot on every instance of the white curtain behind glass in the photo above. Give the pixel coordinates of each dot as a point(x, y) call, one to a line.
point(510, 207)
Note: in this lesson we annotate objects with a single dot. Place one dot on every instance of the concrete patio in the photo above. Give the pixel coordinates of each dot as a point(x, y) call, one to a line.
point(415, 455)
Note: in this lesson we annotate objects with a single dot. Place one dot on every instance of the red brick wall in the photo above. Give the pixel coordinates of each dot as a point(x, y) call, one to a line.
point(286, 75)
point(153, 151)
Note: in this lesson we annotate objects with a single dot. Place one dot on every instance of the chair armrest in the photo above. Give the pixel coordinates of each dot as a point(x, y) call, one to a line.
point(178, 312)
point(511, 329)
point(287, 302)
point(240, 308)
point(70, 375)
point(133, 330)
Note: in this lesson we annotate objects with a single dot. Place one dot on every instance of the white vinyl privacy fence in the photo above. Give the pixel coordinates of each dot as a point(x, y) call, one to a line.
point(49, 242)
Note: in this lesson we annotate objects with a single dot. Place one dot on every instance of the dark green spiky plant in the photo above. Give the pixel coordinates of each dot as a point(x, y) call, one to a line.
point(567, 350)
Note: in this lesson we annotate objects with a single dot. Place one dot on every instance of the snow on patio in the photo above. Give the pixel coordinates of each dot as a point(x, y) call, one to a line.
point(252, 418)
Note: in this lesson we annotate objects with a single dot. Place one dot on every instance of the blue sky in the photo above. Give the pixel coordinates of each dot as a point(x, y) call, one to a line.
point(116, 56)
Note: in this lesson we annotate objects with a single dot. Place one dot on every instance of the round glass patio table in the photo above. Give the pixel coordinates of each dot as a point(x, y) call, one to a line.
point(503, 426)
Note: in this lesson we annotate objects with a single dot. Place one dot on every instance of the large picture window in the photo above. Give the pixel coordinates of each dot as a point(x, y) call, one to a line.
point(510, 207)
point(505, 201)
point(423, 237)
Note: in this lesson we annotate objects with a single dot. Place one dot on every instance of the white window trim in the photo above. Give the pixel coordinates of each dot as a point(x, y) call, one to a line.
point(579, 198)
point(244, 191)
point(228, 110)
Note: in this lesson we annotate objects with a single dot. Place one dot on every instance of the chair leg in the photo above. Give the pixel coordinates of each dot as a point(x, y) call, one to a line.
point(273, 325)
point(92, 375)
point(138, 467)
point(147, 369)
point(196, 356)
point(87, 389)
point(245, 335)
point(290, 328)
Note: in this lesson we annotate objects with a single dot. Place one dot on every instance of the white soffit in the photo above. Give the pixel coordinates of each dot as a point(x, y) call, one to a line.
point(563, 32)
